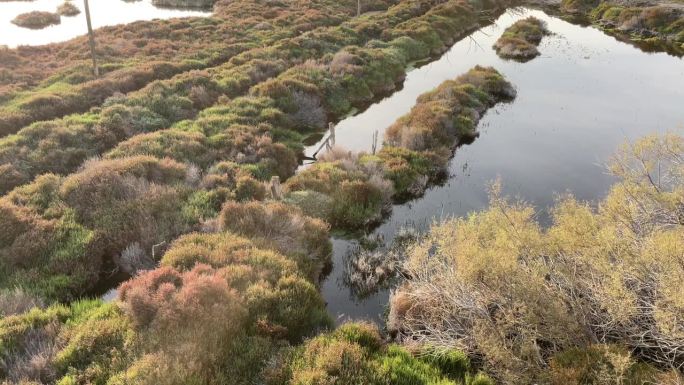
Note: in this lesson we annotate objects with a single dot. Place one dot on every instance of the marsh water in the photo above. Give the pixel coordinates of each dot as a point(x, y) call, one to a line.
point(102, 12)
point(585, 95)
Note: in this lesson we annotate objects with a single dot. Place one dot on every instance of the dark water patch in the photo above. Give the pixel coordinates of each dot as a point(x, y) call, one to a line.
point(585, 95)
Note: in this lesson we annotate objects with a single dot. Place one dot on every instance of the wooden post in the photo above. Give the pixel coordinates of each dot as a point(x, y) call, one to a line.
point(276, 189)
point(91, 39)
point(358, 8)
point(331, 126)
point(375, 141)
point(155, 247)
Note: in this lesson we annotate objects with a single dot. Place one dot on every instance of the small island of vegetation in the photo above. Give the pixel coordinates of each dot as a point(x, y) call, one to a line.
point(36, 19)
point(68, 9)
point(520, 40)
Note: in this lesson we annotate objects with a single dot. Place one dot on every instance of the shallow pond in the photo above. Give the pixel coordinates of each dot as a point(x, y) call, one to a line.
point(102, 12)
point(579, 100)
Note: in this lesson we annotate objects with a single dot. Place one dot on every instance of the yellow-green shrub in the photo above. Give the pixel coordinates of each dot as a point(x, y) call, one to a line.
point(516, 294)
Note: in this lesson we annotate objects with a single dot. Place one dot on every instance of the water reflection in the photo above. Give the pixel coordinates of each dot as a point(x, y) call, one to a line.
point(579, 100)
point(103, 13)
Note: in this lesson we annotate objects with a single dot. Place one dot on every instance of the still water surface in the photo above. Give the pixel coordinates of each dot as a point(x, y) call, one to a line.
point(102, 12)
point(579, 100)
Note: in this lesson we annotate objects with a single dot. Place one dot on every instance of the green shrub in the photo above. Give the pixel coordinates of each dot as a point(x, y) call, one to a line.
point(312, 203)
point(355, 354)
point(578, 7)
point(453, 363)
point(358, 194)
point(410, 171)
point(599, 364)
point(365, 335)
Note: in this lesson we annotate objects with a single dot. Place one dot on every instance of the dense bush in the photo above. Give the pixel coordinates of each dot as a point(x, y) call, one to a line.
point(283, 228)
point(59, 233)
point(516, 294)
point(420, 143)
point(601, 364)
point(221, 322)
point(357, 194)
point(281, 301)
point(578, 7)
point(411, 171)
point(84, 342)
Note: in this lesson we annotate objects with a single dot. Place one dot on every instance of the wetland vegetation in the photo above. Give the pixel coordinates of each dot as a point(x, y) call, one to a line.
point(162, 176)
point(36, 19)
point(520, 40)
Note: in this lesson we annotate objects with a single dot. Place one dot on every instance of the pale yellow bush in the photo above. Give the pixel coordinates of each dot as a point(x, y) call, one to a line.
point(497, 285)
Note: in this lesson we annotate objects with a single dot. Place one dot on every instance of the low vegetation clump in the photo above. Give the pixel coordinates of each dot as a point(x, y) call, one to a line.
point(85, 341)
point(526, 299)
point(36, 19)
point(17, 301)
point(373, 264)
point(283, 228)
point(449, 114)
point(605, 364)
point(520, 40)
point(351, 188)
point(356, 354)
point(67, 8)
point(59, 234)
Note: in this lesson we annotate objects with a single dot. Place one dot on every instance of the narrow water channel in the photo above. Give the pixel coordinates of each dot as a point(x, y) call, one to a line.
point(577, 102)
point(103, 13)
